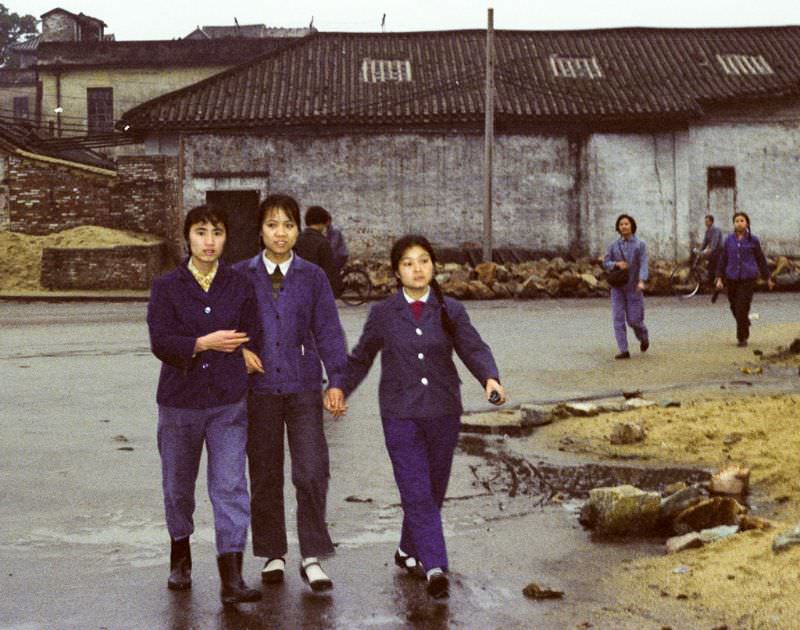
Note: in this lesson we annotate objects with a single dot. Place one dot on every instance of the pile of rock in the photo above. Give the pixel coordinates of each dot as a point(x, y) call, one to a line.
point(547, 278)
point(691, 515)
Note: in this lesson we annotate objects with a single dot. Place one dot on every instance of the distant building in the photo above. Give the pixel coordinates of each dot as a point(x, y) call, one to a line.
point(247, 30)
point(386, 130)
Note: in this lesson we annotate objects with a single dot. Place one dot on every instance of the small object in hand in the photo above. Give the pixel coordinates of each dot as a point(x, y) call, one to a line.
point(494, 397)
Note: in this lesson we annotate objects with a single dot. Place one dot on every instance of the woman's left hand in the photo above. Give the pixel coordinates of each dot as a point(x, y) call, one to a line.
point(334, 402)
point(770, 284)
point(493, 386)
point(640, 286)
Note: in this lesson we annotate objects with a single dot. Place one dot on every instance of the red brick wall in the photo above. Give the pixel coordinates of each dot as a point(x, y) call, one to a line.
point(44, 197)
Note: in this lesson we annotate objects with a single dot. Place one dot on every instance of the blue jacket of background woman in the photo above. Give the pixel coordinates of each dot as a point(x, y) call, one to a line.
point(418, 376)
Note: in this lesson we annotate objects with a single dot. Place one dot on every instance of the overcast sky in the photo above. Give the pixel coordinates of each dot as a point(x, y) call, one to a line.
point(167, 19)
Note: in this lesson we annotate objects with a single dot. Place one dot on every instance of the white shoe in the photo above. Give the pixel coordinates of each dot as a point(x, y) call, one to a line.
point(312, 573)
point(273, 570)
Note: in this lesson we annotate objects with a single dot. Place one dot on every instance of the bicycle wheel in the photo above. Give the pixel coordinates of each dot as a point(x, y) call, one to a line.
point(356, 286)
point(684, 281)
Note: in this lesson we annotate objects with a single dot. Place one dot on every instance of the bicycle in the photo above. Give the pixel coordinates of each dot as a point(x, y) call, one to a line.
point(356, 285)
point(689, 277)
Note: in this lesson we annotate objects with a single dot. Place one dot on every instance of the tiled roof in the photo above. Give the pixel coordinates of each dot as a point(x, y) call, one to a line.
point(639, 74)
point(157, 53)
point(79, 17)
point(29, 44)
point(23, 136)
point(246, 30)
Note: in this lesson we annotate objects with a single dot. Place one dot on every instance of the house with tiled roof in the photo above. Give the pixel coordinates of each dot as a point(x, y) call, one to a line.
point(386, 131)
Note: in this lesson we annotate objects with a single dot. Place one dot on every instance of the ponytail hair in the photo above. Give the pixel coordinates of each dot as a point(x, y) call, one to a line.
point(399, 248)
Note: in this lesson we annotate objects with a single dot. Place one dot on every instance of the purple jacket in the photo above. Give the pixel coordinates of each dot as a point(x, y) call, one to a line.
point(178, 313)
point(418, 376)
point(298, 330)
point(742, 259)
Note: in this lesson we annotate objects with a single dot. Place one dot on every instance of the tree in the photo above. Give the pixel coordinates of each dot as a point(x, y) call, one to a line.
point(14, 28)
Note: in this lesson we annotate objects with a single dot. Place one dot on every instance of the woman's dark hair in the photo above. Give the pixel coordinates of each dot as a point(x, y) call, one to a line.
point(746, 218)
point(399, 248)
point(204, 214)
point(286, 203)
point(630, 218)
point(317, 215)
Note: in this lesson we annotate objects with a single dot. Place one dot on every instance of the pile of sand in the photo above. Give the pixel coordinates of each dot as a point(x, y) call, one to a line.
point(24, 252)
point(739, 580)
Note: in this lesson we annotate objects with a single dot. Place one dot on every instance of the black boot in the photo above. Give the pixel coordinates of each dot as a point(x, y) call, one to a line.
point(180, 565)
point(234, 589)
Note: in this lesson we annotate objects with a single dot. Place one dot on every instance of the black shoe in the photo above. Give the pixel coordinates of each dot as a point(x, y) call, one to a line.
point(274, 575)
point(644, 345)
point(623, 355)
point(438, 586)
point(742, 343)
point(714, 296)
point(180, 565)
point(409, 563)
point(318, 585)
point(234, 590)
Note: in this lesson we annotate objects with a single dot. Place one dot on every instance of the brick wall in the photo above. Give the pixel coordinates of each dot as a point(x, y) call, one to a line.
point(44, 197)
point(124, 267)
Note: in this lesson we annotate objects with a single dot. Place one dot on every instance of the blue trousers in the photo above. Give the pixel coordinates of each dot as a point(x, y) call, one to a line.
point(301, 414)
point(181, 433)
point(627, 307)
point(421, 450)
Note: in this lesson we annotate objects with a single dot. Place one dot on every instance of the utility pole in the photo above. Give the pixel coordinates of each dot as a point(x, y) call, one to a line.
point(488, 139)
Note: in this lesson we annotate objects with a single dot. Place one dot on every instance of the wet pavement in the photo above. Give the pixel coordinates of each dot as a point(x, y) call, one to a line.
point(82, 541)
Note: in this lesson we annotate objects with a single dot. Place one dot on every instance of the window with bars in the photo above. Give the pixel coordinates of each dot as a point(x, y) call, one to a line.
point(744, 64)
point(21, 111)
point(384, 70)
point(575, 67)
point(100, 110)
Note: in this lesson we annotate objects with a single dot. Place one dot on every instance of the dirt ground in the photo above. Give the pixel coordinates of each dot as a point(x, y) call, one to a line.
point(738, 582)
point(24, 251)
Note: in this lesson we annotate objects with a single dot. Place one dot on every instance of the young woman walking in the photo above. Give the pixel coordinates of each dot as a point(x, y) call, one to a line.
point(740, 264)
point(300, 325)
point(416, 330)
point(627, 301)
point(200, 316)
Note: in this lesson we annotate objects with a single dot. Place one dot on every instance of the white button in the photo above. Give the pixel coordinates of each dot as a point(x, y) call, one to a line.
point(207, 310)
point(205, 365)
point(419, 331)
point(424, 380)
point(420, 356)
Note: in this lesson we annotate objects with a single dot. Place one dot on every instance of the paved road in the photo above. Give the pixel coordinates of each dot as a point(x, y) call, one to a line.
point(82, 541)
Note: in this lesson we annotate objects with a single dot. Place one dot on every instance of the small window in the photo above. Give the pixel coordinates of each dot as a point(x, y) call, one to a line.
point(21, 111)
point(100, 110)
point(575, 67)
point(744, 64)
point(721, 177)
point(383, 70)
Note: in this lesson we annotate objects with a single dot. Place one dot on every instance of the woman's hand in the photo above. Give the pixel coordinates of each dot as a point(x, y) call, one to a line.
point(252, 362)
point(221, 340)
point(493, 386)
point(719, 284)
point(621, 264)
point(770, 284)
point(333, 401)
point(640, 286)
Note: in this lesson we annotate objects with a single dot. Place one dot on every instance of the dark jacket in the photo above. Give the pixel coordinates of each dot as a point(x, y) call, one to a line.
point(418, 376)
point(742, 259)
point(178, 313)
point(299, 329)
point(313, 247)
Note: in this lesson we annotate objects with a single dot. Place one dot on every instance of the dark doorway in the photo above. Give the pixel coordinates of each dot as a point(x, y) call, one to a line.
point(721, 192)
point(242, 209)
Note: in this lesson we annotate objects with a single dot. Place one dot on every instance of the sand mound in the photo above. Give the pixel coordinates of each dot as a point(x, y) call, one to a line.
point(24, 252)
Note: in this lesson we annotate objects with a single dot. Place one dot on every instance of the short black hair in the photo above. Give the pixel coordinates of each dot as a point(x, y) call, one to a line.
point(710, 217)
point(204, 214)
point(317, 215)
point(630, 218)
point(287, 203)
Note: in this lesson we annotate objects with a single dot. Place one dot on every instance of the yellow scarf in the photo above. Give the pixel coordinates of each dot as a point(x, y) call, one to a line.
point(203, 279)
